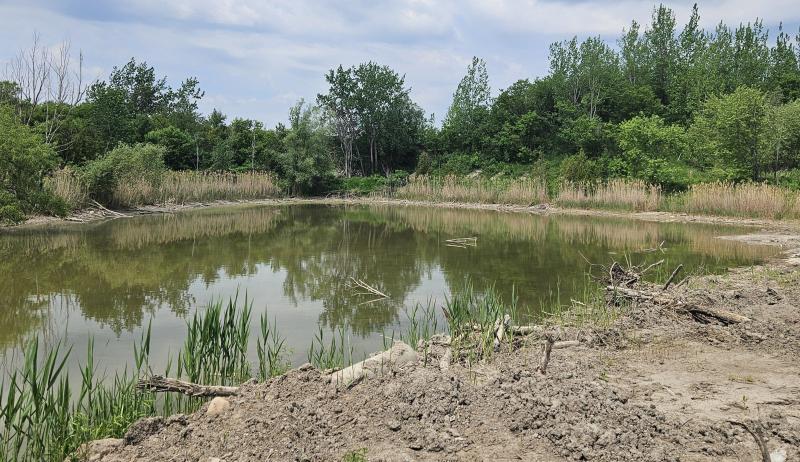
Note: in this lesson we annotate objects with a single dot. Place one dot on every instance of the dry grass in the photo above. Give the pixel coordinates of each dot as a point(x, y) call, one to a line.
point(65, 184)
point(185, 187)
point(522, 191)
point(743, 200)
point(616, 194)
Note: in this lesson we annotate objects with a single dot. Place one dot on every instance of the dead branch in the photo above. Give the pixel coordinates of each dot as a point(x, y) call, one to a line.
point(762, 445)
point(370, 290)
point(672, 277)
point(462, 242)
point(158, 383)
point(706, 315)
point(501, 325)
point(546, 349)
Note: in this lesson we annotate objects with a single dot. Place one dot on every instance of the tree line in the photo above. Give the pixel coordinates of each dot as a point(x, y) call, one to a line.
point(666, 104)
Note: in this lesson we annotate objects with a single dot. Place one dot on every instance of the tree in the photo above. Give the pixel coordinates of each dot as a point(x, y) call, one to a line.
point(341, 110)
point(307, 160)
point(732, 127)
point(45, 77)
point(24, 161)
point(471, 102)
point(781, 143)
point(179, 147)
point(642, 138)
point(662, 50)
point(380, 91)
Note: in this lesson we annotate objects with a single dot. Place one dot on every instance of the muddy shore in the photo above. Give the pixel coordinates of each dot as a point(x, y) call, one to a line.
point(658, 384)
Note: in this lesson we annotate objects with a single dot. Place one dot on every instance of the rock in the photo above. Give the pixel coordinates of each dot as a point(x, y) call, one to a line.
point(95, 450)
point(393, 425)
point(398, 355)
point(217, 406)
point(778, 455)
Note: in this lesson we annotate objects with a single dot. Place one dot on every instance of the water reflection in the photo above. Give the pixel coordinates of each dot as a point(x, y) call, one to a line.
point(117, 274)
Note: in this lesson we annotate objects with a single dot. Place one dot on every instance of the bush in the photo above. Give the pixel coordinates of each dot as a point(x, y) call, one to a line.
point(578, 169)
point(424, 164)
point(24, 161)
point(140, 164)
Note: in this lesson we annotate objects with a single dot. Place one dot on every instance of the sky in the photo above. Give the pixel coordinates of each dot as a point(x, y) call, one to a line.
point(255, 58)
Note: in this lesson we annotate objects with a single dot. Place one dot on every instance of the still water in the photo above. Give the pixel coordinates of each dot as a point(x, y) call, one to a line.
point(109, 280)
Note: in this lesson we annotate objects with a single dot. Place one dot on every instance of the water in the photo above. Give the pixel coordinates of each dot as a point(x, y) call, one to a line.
point(108, 280)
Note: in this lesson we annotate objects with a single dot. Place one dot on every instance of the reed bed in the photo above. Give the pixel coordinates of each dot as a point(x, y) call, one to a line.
point(615, 194)
point(450, 188)
point(187, 187)
point(66, 185)
point(740, 200)
point(43, 418)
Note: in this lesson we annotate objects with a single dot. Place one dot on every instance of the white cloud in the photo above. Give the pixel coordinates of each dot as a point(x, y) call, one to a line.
point(255, 57)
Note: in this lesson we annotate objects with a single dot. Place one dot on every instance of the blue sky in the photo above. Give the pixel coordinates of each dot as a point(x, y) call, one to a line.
point(254, 58)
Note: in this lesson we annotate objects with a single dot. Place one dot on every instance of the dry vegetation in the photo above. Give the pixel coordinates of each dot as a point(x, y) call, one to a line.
point(450, 188)
point(618, 194)
point(744, 200)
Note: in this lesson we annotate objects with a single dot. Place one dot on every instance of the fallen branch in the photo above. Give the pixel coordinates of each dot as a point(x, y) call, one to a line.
point(385, 362)
point(672, 277)
point(706, 315)
point(370, 290)
point(762, 445)
point(158, 383)
point(462, 242)
point(100, 206)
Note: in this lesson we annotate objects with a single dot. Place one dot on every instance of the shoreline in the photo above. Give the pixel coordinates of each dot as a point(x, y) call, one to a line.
point(94, 214)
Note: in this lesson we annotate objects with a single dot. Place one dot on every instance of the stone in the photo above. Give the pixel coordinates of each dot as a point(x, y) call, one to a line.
point(217, 406)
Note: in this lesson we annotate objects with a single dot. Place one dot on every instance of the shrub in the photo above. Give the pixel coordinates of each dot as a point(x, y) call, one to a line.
point(67, 185)
point(424, 164)
point(138, 166)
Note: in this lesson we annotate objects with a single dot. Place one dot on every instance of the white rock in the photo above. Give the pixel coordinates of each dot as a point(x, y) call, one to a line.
point(217, 406)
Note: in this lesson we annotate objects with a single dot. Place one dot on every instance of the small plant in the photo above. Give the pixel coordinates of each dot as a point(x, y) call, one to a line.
point(270, 350)
point(357, 455)
point(332, 355)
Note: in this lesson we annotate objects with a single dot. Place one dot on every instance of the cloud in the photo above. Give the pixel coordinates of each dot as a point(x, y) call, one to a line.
point(254, 57)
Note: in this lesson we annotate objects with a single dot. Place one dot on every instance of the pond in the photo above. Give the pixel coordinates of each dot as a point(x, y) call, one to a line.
point(109, 280)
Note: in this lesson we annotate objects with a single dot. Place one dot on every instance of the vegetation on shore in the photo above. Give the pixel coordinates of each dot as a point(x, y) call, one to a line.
point(625, 125)
point(45, 417)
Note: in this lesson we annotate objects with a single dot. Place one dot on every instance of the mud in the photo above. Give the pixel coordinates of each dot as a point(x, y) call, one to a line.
point(657, 385)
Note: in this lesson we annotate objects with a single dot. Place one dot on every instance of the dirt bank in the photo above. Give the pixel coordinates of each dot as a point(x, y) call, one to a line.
point(659, 384)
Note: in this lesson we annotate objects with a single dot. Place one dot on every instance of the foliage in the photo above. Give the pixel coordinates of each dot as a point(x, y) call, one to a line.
point(125, 164)
point(25, 160)
point(649, 138)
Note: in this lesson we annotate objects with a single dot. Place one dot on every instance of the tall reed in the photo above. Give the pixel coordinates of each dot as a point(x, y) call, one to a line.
point(42, 418)
point(66, 185)
point(741, 200)
point(615, 194)
point(451, 188)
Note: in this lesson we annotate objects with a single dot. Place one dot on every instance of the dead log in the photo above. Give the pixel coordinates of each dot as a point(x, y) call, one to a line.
point(382, 363)
point(701, 314)
point(707, 315)
point(158, 384)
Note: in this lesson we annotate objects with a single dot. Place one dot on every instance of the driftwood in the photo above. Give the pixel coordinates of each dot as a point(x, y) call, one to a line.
point(707, 315)
point(382, 363)
point(112, 212)
point(158, 383)
point(699, 313)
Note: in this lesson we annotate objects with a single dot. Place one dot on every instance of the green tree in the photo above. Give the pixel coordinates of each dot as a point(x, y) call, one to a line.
point(24, 161)
point(307, 160)
point(731, 129)
point(643, 138)
point(467, 113)
point(179, 147)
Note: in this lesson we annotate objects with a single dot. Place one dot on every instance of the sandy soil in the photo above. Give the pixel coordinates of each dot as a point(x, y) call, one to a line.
point(656, 385)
